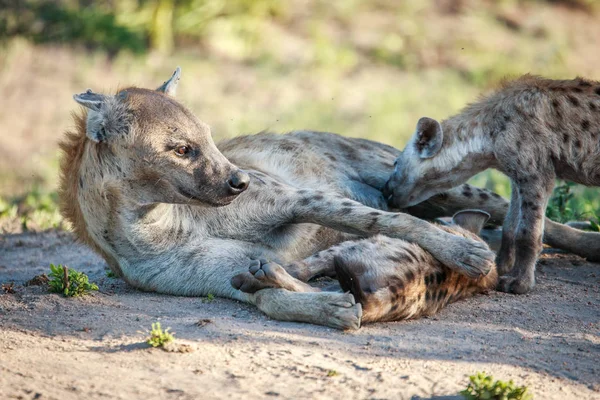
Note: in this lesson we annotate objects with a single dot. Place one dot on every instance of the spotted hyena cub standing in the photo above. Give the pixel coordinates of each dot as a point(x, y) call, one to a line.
point(391, 278)
point(532, 129)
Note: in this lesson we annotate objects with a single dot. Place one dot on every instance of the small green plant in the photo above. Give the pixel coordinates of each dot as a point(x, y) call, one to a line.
point(209, 298)
point(69, 282)
point(331, 373)
point(111, 274)
point(158, 337)
point(483, 386)
point(559, 207)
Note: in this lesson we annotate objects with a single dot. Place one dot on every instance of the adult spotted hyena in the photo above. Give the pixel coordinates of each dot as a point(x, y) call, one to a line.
point(532, 129)
point(145, 186)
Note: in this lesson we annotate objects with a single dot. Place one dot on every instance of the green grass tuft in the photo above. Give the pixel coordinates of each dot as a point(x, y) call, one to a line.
point(484, 387)
point(69, 282)
point(158, 337)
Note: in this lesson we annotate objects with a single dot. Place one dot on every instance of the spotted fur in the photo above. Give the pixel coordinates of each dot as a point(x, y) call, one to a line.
point(532, 129)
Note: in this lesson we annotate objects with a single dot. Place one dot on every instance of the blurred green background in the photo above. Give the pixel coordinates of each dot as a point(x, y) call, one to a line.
point(360, 68)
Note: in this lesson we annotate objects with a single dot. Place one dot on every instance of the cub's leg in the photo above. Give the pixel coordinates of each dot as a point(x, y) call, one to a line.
point(534, 192)
point(506, 254)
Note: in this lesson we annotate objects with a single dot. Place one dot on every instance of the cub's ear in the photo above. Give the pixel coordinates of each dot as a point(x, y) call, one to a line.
point(170, 86)
point(107, 116)
point(428, 137)
point(471, 220)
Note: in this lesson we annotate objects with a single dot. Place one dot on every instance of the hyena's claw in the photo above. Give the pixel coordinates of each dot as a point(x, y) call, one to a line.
point(516, 285)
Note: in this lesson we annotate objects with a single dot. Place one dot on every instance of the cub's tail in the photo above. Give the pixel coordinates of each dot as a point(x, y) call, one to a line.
point(348, 279)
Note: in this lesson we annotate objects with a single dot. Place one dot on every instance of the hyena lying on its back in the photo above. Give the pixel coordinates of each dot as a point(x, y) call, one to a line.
point(534, 130)
point(391, 278)
point(145, 186)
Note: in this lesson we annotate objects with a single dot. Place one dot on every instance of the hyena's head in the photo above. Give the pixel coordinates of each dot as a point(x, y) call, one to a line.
point(432, 162)
point(163, 152)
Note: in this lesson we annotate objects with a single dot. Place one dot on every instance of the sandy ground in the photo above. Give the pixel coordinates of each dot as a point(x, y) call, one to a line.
point(93, 347)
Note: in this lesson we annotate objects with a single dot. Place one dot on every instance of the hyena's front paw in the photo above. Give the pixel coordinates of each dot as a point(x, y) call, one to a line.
point(261, 274)
point(467, 256)
point(515, 284)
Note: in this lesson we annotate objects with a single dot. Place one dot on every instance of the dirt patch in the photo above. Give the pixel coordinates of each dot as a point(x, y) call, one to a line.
point(92, 347)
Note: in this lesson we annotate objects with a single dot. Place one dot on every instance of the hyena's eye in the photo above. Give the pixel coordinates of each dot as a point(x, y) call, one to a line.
point(182, 150)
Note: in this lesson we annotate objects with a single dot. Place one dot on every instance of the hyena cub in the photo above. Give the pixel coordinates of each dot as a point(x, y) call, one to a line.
point(392, 279)
point(533, 130)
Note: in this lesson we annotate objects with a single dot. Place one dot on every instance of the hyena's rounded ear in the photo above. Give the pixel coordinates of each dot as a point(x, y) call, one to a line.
point(170, 86)
point(107, 115)
point(428, 137)
point(471, 220)
point(90, 100)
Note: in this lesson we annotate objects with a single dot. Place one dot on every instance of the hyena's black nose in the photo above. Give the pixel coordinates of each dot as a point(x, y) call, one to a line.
point(238, 182)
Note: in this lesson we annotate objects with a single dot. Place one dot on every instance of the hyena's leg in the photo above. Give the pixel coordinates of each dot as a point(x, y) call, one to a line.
point(506, 254)
point(207, 267)
point(465, 255)
point(533, 198)
point(321, 263)
point(585, 244)
point(460, 198)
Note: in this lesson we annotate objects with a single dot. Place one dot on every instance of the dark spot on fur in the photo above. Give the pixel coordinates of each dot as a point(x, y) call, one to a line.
point(372, 224)
point(345, 211)
point(565, 137)
point(584, 83)
point(428, 279)
point(585, 124)
point(346, 203)
point(428, 296)
point(304, 201)
point(592, 106)
point(524, 232)
point(80, 182)
point(275, 183)
point(374, 213)
point(409, 276)
point(287, 145)
point(318, 197)
point(577, 90)
point(331, 157)
point(467, 193)
point(302, 191)
point(578, 143)
point(597, 90)
point(484, 196)
point(442, 295)
point(411, 254)
point(440, 277)
point(573, 100)
point(496, 195)
point(555, 103)
point(394, 307)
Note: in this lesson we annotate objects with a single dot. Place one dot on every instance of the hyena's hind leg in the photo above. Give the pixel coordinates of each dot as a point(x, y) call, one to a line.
point(506, 254)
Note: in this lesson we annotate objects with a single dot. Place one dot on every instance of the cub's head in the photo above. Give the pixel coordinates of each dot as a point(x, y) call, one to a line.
point(163, 152)
point(416, 175)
